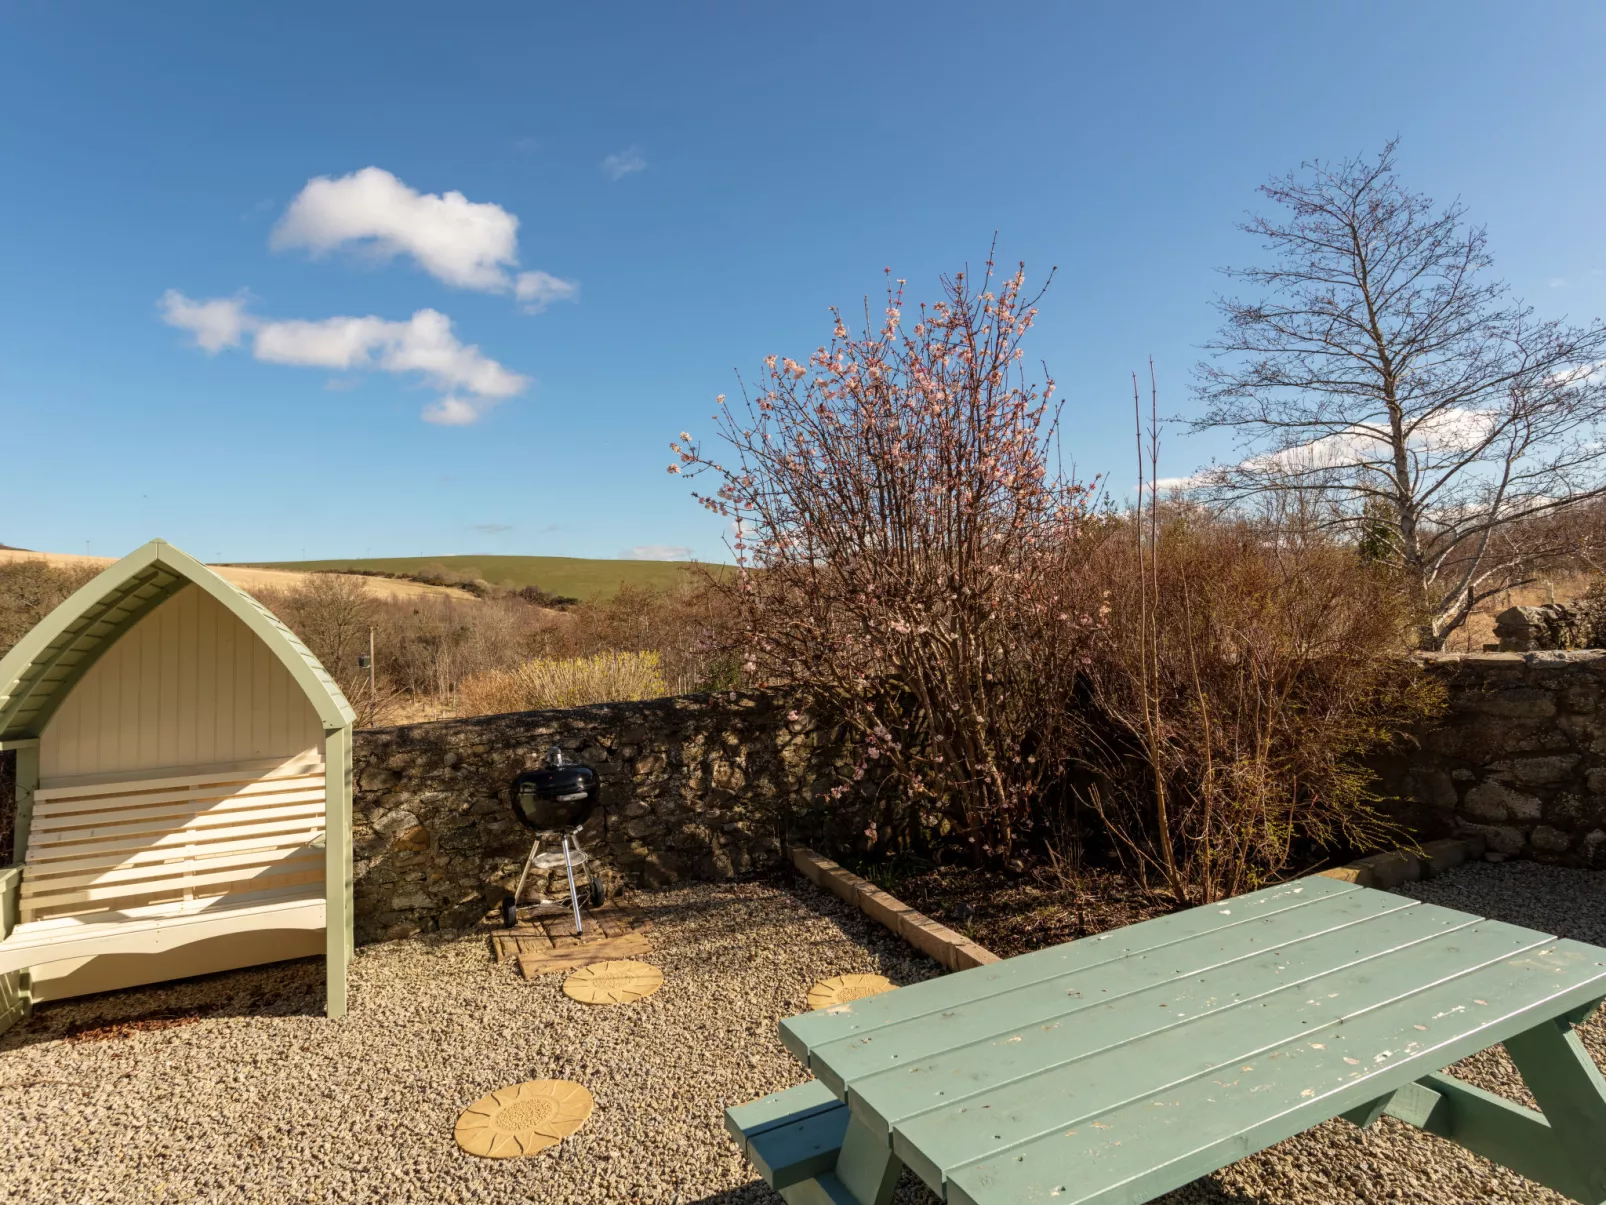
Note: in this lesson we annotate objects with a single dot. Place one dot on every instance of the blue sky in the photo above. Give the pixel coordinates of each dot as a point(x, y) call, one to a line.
point(697, 184)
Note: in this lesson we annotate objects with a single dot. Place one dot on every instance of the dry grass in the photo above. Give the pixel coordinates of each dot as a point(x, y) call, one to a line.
point(1479, 629)
point(254, 580)
point(544, 684)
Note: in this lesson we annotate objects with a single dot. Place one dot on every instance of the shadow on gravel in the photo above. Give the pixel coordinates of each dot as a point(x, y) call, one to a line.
point(740, 909)
point(912, 1192)
point(285, 989)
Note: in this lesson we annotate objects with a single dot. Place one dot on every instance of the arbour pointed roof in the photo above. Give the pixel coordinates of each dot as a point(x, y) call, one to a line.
point(39, 673)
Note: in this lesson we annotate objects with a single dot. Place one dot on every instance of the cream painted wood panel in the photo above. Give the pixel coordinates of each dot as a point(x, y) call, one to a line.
point(188, 685)
point(160, 844)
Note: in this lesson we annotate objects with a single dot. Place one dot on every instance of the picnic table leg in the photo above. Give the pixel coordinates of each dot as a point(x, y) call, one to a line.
point(1563, 1148)
point(1572, 1094)
point(867, 1168)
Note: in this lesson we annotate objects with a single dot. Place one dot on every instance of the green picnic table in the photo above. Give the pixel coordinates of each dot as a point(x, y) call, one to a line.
point(1118, 1067)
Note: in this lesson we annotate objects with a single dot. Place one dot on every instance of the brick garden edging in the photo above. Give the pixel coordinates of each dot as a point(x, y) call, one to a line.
point(952, 950)
point(957, 952)
point(1398, 866)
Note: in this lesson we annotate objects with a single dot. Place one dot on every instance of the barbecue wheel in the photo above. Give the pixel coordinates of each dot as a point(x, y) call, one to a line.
point(510, 912)
point(599, 893)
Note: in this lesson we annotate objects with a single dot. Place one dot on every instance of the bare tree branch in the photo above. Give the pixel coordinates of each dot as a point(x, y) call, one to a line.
point(1386, 382)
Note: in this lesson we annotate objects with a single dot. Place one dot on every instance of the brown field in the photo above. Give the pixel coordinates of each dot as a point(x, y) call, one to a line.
point(252, 580)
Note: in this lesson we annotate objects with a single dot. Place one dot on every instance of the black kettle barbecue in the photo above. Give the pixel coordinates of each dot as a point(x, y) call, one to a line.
point(560, 797)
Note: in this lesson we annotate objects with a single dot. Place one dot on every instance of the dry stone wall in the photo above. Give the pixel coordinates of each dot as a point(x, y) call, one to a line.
point(1580, 624)
point(699, 786)
point(1519, 758)
point(708, 786)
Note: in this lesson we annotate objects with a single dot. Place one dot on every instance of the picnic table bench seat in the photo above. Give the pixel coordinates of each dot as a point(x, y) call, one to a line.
point(1119, 1067)
point(793, 1136)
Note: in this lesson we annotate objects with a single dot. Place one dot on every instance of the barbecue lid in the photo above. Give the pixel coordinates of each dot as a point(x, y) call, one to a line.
point(560, 795)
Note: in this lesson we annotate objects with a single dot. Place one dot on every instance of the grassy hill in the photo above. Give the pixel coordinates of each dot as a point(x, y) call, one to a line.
point(574, 577)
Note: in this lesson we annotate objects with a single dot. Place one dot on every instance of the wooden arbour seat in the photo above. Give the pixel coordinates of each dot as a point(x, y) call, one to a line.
point(144, 864)
point(182, 790)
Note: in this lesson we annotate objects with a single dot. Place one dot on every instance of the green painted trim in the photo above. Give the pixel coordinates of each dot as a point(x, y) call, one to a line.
point(13, 997)
point(27, 742)
point(10, 891)
point(308, 672)
point(85, 625)
point(339, 911)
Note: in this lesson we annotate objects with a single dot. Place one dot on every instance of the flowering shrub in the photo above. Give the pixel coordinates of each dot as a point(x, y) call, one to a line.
point(904, 546)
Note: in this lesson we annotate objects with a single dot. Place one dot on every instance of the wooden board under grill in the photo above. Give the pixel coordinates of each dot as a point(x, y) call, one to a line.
point(543, 944)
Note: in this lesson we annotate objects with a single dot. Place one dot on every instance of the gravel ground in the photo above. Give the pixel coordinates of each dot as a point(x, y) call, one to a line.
point(131, 1098)
point(127, 1098)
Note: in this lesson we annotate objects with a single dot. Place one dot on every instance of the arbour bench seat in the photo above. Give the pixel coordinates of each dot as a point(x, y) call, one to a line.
point(143, 864)
point(182, 774)
point(44, 942)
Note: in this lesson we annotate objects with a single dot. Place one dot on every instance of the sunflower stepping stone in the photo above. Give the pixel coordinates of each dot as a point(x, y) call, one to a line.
point(523, 1119)
point(840, 989)
point(620, 981)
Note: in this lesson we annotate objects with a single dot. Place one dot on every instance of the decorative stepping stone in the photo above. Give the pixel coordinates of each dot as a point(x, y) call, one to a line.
point(842, 988)
point(524, 1118)
point(616, 982)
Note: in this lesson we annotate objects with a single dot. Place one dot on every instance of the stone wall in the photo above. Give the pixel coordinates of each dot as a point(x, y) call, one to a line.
point(1519, 758)
point(707, 786)
point(700, 786)
point(1580, 624)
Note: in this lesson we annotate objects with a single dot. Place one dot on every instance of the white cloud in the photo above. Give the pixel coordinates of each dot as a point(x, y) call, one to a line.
point(454, 411)
point(1443, 435)
point(658, 552)
point(1166, 485)
point(1578, 374)
point(463, 243)
point(620, 165)
point(214, 324)
point(539, 289)
point(470, 381)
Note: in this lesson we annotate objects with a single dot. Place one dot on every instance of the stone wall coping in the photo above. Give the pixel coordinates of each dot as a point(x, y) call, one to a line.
point(938, 942)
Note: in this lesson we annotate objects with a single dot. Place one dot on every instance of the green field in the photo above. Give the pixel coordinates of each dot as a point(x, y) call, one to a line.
point(573, 577)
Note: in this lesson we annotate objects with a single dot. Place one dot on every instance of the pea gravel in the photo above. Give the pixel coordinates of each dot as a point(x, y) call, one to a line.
point(263, 1100)
point(124, 1098)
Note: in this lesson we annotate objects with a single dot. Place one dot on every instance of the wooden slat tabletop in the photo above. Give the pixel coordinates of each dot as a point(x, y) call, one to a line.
point(1114, 1068)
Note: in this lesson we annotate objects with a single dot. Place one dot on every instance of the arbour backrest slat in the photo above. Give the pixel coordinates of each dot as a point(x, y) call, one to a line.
point(174, 836)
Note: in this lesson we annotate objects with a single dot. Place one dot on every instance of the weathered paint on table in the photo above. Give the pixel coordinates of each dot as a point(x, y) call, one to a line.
point(1116, 1068)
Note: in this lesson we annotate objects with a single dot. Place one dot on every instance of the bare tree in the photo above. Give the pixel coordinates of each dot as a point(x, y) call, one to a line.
point(1383, 386)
